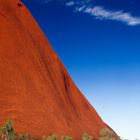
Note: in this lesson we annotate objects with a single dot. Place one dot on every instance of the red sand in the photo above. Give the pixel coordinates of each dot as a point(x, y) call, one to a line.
point(36, 91)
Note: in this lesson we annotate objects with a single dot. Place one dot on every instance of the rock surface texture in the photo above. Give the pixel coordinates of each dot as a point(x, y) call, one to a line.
point(36, 91)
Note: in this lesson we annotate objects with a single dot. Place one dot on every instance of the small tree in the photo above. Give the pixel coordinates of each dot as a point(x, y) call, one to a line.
point(8, 133)
point(86, 136)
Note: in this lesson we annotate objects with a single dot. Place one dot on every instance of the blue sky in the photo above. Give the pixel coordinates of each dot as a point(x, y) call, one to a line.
point(99, 43)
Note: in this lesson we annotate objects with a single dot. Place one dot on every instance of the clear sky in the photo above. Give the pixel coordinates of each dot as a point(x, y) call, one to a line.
point(99, 43)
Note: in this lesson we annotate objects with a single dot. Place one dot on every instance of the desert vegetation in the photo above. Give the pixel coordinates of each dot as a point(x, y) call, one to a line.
point(107, 134)
point(86, 136)
point(7, 132)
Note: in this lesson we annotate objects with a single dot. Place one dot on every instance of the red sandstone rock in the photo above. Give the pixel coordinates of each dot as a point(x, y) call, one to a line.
point(36, 91)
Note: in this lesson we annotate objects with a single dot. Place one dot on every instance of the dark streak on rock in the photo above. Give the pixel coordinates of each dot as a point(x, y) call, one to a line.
point(20, 4)
point(1, 14)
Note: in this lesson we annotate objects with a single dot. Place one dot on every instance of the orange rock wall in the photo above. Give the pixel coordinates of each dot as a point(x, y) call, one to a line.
point(36, 91)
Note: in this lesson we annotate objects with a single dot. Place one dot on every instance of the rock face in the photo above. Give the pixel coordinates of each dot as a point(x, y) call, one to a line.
point(36, 91)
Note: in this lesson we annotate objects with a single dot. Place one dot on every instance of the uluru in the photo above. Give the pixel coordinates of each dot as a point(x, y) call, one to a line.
point(36, 90)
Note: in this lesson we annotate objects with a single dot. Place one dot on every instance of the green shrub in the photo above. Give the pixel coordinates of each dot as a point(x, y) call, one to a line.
point(34, 138)
point(8, 133)
point(66, 138)
point(86, 136)
point(52, 137)
point(106, 138)
point(24, 136)
point(107, 134)
point(44, 138)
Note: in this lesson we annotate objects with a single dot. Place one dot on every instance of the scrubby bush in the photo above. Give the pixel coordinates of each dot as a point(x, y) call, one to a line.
point(66, 138)
point(24, 136)
point(86, 136)
point(107, 134)
point(52, 137)
point(44, 138)
point(34, 138)
point(8, 133)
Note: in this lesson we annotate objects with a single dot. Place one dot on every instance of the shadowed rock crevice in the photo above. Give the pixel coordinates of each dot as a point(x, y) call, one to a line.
point(20, 4)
